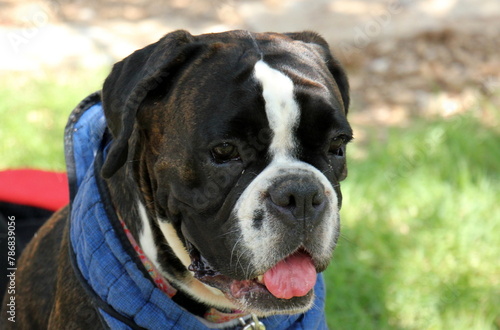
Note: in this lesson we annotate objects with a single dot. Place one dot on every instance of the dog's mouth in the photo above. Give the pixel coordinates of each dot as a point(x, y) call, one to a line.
point(289, 282)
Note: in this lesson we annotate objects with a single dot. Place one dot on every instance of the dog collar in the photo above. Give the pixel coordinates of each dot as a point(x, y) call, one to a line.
point(160, 281)
point(213, 315)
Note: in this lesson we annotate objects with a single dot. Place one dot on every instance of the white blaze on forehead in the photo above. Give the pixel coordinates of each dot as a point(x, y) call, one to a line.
point(281, 109)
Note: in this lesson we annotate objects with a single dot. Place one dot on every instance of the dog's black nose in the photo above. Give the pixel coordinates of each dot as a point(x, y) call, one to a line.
point(297, 197)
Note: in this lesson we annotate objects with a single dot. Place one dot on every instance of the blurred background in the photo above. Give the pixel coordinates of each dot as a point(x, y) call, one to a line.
point(420, 245)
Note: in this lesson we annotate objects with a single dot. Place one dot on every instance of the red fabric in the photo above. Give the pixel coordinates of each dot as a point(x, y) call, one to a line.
point(48, 190)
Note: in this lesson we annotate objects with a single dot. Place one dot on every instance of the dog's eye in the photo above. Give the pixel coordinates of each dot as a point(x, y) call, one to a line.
point(337, 146)
point(225, 152)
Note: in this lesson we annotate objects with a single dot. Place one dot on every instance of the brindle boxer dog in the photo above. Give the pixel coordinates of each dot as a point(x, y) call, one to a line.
point(226, 156)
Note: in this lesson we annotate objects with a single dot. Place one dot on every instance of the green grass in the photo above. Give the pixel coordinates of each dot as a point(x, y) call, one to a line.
point(420, 245)
point(33, 112)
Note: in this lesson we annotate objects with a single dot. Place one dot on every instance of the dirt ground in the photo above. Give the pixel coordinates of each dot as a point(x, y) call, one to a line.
point(424, 57)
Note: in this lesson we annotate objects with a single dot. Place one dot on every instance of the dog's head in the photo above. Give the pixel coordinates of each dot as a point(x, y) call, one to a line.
point(237, 142)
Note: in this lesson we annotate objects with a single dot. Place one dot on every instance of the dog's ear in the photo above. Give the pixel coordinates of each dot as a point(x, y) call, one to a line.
point(333, 64)
point(131, 80)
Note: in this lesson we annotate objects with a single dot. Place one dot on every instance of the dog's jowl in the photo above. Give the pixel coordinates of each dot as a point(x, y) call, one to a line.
point(205, 193)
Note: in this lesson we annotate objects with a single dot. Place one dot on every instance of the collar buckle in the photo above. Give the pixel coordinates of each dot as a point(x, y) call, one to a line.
point(253, 324)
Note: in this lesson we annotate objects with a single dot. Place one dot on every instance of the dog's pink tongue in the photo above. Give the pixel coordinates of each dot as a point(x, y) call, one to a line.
point(292, 277)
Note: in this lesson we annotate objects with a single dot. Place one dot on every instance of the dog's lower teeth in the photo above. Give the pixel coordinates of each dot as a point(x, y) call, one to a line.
point(260, 278)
